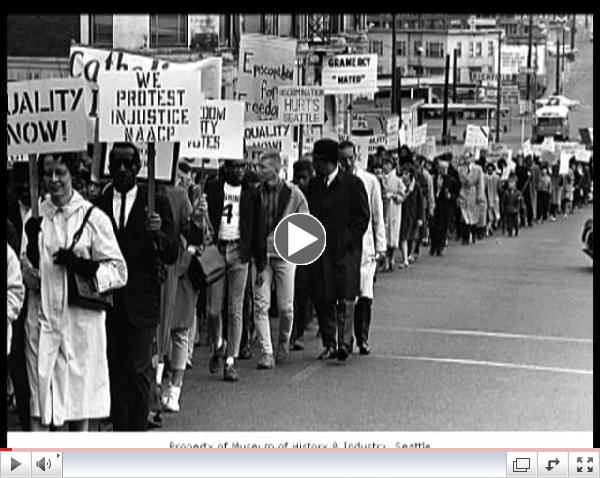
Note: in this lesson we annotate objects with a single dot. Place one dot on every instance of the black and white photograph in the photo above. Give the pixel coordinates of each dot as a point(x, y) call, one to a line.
point(299, 222)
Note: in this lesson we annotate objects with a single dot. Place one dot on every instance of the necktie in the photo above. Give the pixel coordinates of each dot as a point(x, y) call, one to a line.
point(122, 215)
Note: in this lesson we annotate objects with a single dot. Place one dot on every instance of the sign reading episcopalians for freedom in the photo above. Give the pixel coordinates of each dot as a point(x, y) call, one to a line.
point(45, 116)
point(220, 134)
point(149, 106)
point(477, 136)
point(87, 63)
point(301, 105)
point(265, 63)
point(349, 74)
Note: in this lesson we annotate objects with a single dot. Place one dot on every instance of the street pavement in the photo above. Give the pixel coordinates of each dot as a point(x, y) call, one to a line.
point(496, 336)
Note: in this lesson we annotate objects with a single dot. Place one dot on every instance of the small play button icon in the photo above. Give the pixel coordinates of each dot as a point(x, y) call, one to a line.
point(299, 239)
point(14, 464)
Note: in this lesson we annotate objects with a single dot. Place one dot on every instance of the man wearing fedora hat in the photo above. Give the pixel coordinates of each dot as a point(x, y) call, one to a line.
point(339, 200)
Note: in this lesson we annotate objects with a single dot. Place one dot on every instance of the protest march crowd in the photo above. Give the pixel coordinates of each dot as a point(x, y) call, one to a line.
point(204, 260)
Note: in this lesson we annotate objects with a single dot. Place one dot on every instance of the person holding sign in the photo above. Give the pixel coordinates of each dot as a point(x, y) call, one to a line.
point(66, 351)
point(339, 200)
point(233, 208)
point(278, 199)
point(147, 241)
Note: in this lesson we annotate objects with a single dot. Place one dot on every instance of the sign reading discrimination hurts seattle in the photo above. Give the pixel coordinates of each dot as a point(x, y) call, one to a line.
point(149, 106)
point(301, 105)
point(45, 116)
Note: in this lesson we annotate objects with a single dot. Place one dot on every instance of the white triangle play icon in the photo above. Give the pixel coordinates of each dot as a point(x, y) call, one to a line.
point(298, 239)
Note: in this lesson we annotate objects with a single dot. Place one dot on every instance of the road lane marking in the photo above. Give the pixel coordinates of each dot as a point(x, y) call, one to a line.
point(485, 363)
point(482, 333)
point(307, 372)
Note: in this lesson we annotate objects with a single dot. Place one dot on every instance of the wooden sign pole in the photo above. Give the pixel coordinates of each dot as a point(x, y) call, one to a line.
point(151, 176)
point(96, 160)
point(33, 185)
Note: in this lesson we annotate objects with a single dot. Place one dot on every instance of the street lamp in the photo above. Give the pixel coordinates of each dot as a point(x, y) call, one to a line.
point(419, 55)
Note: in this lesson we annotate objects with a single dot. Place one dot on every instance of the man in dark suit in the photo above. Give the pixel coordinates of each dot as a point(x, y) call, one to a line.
point(445, 192)
point(147, 242)
point(339, 200)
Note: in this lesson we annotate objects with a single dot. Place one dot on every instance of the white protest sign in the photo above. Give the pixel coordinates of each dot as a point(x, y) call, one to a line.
point(583, 156)
point(375, 142)
point(419, 135)
point(392, 126)
point(45, 116)
point(565, 157)
point(310, 135)
point(430, 147)
point(265, 62)
point(347, 74)
point(402, 135)
point(548, 144)
point(153, 106)
point(165, 163)
point(301, 105)
point(527, 148)
point(361, 145)
point(87, 63)
point(272, 135)
point(221, 131)
point(477, 136)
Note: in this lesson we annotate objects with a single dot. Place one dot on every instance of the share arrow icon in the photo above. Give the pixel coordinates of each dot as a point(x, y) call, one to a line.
point(550, 466)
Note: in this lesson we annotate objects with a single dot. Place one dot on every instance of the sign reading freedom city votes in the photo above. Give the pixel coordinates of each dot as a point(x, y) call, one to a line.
point(220, 134)
point(477, 136)
point(45, 116)
point(87, 63)
point(347, 74)
point(149, 106)
point(301, 105)
point(265, 63)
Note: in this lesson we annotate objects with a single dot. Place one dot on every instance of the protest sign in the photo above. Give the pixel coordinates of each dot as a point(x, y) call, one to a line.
point(16, 158)
point(221, 131)
point(548, 144)
point(429, 148)
point(583, 156)
point(272, 135)
point(347, 74)
point(375, 142)
point(167, 155)
point(361, 145)
point(301, 105)
point(87, 63)
point(477, 136)
point(149, 106)
point(419, 136)
point(392, 126)
point(311, 134)
point(45, 116)
point(565, 158)
point(527, 148)
point(265, 62)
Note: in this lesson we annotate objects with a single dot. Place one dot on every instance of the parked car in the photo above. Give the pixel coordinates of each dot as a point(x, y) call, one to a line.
point(587, 238)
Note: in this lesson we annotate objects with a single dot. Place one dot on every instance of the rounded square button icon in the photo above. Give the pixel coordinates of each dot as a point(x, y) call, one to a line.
point(553, 464)
point(16, 464)
point(584, 463)
point(521, 464)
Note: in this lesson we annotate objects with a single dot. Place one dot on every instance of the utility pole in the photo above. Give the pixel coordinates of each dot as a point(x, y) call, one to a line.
point(562, 61)
point(557, 66)
point(394, 85)
point(454, 82)
point(573, 28)
point(445, 119)
point(499, 89)
point(527, 90)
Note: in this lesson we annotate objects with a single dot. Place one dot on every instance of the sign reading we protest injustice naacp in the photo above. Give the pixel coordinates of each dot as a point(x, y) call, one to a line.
point(265, 63)
point(45, 116)
point(221, 131)
point(150, 107)
point(87, 63)
point(348, 74)
point(301, 105)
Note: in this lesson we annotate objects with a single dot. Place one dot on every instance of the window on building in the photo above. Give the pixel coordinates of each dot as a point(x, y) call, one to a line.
point(471, 49)
point(478, 49)
point(402, 48)
point(270, 24)
point(458, 49)
point(417, 46)
point(435, 50)
point(491, 48)
point(101, 29)
point(168, 30)
point(377, 47)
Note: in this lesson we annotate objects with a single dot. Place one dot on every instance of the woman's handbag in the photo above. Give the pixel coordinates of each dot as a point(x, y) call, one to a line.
point(82, 289)
point(212, 264)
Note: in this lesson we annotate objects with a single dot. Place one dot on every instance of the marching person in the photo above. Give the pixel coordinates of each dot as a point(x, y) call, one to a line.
point(471, 197)
point(15, 292)
point(149, 244)
point(233, 211)
point(412, 215)
point(492, 193)
point(394, 191)
point(373, 245)
point(512, 201)
point(339, 200)
point(423, 177)
point(66, 351)
point(278, 199)
point(303, 173)
point(544, 191)
point(445, 189)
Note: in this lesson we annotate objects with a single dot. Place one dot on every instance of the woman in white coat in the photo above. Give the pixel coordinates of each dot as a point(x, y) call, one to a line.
point(66, 350)
point(393, 193)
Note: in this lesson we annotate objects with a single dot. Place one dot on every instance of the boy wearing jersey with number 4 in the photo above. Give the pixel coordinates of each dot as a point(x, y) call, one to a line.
point(233, 208)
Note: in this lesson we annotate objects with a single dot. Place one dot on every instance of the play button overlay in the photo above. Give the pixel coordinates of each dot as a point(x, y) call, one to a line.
point(299, 239)
point(14, 464)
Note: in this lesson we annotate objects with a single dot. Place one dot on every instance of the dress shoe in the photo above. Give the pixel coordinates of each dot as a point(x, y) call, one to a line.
point(364, 349)
point(266, 362)
point(327, 354)
point(245, 353)
point(213, 363)
point(342, 354)
point(230, 373)
point(298, 344)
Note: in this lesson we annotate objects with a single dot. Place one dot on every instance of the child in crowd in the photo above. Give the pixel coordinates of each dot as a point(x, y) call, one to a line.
point(512, 201)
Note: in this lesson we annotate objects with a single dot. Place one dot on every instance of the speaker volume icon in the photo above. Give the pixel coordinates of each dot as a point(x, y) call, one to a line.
point(43, 463)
